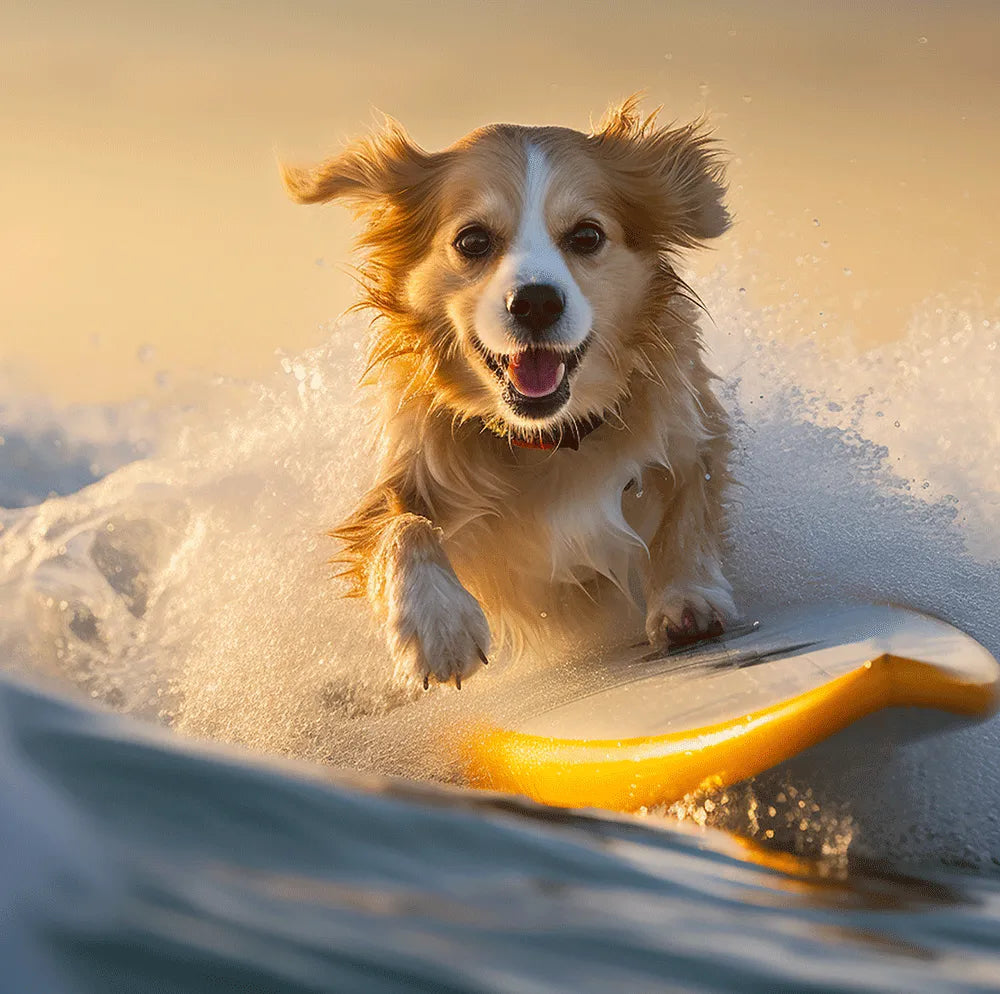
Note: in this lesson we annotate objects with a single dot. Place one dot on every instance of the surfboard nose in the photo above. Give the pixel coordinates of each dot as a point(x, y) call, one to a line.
point(666, 726)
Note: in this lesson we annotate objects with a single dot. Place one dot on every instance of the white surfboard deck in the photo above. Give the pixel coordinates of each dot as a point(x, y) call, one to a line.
point(641, 727)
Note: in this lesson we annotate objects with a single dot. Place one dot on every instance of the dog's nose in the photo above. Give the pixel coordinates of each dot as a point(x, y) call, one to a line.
point(536, 306)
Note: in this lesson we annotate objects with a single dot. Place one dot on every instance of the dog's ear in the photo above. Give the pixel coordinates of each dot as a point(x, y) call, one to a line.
point(675, 174)
point(369, 172)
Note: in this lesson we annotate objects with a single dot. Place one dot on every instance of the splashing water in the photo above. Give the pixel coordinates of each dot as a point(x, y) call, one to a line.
point(870, 476)
point(191, 585)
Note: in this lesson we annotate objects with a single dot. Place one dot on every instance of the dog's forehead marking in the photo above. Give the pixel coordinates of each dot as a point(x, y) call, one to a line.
point(537, 176)
point(533, 248)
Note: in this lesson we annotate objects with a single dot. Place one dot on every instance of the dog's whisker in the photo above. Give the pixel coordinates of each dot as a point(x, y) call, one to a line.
point(622, 423)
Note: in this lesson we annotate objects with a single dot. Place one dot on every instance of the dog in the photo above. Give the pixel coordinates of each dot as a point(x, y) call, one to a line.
point(548, 435)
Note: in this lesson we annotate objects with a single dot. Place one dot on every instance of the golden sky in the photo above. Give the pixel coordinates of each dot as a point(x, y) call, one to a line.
point(141, 205)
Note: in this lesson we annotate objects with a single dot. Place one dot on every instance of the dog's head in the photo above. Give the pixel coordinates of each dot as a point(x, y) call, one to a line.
point(523, 270)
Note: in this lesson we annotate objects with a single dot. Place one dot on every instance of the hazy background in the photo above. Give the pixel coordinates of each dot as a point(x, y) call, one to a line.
point(143, 230)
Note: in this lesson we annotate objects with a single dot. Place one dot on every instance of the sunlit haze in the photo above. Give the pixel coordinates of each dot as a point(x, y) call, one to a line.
point(143, 215)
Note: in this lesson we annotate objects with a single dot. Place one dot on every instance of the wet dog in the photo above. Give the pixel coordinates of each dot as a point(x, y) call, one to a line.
point(548, 434)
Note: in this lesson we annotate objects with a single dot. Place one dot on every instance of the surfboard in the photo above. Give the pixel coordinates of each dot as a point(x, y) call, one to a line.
point(639, 727)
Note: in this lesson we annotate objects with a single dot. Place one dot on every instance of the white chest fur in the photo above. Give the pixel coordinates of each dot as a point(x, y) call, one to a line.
point(574, 516)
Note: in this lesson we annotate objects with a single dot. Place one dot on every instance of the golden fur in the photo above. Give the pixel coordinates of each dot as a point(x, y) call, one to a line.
point(460, 519)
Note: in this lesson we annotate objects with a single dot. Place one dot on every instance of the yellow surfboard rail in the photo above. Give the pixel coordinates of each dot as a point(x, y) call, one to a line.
point(626, 774)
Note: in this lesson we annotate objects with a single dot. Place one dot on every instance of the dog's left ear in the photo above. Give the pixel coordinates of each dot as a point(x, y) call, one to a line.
point(674, 175)
point(370, 171)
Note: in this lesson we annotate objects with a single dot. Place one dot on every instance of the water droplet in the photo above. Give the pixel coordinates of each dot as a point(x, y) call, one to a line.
point(816, 221)
point(848, 271)
point(747, 98)
point(743, 289)
point(922, 40)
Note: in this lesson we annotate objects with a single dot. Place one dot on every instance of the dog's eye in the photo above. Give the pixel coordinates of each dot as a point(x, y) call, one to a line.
point(473, 241)
point(585, 238)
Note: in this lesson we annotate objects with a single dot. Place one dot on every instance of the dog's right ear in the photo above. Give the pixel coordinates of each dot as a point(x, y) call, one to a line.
point(369, 171)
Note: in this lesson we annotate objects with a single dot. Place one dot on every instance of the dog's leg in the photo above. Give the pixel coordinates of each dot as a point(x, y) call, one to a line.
point(435, 628)
point(687, 596)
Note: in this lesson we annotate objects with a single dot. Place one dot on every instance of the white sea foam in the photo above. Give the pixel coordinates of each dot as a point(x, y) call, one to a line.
point(871, 475)
point(193, 586)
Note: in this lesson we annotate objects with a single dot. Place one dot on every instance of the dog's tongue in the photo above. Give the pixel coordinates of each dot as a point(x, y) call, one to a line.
point(536, 372)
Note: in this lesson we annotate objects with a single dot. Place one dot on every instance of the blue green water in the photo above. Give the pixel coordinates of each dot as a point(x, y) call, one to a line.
point(132, 862)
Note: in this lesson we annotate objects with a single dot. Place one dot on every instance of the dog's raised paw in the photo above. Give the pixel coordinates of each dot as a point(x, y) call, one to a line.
point(678, 617)
point(436, 630)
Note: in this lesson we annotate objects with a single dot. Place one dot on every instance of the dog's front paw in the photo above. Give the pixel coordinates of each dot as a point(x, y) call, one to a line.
point(678, 616)
point(436, 628)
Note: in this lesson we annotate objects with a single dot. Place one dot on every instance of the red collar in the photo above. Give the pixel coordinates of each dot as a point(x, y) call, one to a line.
point(568, 439)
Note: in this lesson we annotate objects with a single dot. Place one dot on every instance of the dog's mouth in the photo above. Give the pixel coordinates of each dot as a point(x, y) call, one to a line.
point(535, 380)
